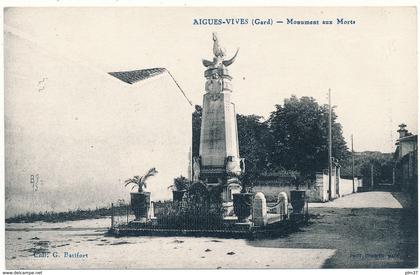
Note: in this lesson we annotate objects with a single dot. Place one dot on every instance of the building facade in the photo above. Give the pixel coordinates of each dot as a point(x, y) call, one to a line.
point(405, 156)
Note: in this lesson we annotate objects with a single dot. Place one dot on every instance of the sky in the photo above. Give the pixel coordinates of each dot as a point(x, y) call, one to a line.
point(74, 133)
point(370, 66)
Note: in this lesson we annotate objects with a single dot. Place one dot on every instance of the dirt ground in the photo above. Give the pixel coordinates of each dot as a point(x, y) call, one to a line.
point(373, 229)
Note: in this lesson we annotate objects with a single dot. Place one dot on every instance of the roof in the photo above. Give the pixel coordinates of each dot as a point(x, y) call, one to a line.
point(408, 138)
point(132, 77)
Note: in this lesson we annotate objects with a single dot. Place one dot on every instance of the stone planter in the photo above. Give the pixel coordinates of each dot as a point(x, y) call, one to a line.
point(242, 204)
point(297, 199)
point(177, 195)
point(140, 204)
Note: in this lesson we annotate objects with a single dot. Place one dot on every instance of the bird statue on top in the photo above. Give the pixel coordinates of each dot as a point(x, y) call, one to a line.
point(219, 56)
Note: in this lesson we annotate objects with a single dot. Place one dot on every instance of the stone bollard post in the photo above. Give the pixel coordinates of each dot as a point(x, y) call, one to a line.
point(259, 210)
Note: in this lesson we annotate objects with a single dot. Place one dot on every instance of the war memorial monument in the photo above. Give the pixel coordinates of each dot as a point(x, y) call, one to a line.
point(216, 201)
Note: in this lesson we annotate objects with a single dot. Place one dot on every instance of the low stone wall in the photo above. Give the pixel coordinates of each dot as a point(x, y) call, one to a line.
point(339, 187)
point(271, 192)
point(346, 187)
point(318, 192)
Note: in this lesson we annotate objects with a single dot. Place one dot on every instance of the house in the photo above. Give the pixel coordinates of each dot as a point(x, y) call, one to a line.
point(405, 156)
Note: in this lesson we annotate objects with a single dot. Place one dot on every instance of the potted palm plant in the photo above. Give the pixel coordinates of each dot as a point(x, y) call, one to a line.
point(140, 200)
point(179, 188)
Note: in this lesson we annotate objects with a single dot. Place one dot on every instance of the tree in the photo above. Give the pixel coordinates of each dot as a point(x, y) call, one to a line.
point(254, 144)
point(383, 164)
point(294, 138)
point(196, 130)
point(299, 129)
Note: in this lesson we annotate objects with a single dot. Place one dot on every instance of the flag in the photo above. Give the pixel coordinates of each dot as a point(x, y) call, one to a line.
point(132, 77)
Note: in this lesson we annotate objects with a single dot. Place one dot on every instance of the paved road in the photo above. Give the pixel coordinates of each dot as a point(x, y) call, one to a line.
point(371, 229)
point(376, 199)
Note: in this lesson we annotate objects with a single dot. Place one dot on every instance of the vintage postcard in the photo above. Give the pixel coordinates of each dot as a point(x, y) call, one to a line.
point(210, 137)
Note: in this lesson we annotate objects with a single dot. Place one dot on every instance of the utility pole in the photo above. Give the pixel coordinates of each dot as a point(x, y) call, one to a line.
point(329, 146)
point(352, 161)
point(371, 176)
point(393, 176)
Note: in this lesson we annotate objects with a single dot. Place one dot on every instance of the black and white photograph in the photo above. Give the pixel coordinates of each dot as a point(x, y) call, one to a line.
point(149, 138)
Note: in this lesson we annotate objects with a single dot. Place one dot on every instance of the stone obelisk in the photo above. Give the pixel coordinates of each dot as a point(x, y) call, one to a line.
point(219, 161)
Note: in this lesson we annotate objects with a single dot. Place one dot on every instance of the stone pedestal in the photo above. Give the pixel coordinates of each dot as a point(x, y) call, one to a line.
point(282, 205)
point(219, 136)
point(219, 161)
point(140, 205)
point(219, 151)
point(242, 204)
point(298, 199)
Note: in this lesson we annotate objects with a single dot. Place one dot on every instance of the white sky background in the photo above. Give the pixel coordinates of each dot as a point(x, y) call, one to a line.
point(370, 66)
